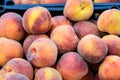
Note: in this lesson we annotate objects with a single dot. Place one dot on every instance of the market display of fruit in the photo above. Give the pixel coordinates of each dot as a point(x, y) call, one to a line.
point(38, 44)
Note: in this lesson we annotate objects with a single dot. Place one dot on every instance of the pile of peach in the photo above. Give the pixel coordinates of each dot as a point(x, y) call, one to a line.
point(38, 46)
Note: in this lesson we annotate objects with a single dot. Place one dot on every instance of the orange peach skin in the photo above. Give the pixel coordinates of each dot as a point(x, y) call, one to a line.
point(42, 52)
point(52, 1)
point(110, 68)
point(113, 43)
point(26, 1)
point(18, 65)
point(83, 28)
point(29, 39)
point(105, 1)
point(77, 10)
point(72, 66)
point(9, 49)
point(65, 38)
point(59, 20)
point(37, 20)
point(48, 73)
point(11, 26)
point(108, 21)
point(14, 76)
point(92, 48)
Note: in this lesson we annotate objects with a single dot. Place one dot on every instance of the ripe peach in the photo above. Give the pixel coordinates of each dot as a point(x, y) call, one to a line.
point(47, 73)
point(72, 66)
point(42, 52)
point(9, 49)
point(14, 76)
point(65, 38)
point(52, 1)
point(83, 28)
point(59, 20)
point(110, 68)
point(37, 20)
point(29, 39)
point(11, 26)
point(89, 76)
point(108, 21)
point(18, 65)
point(92, 48)
point(77, 10)
point(113, 43)
point(26, 1)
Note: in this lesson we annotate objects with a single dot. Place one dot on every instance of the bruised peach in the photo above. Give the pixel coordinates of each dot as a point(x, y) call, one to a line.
point(9, 49)
point(65, 38)
point(37, 20)
point(29, 39)
point(18, 65)
point(113, 43)
point(92, 48)
point(11, 26)
point(47, 73)
point(110, 68)
point(72, 66)
point(42, 52)
point(83, 28)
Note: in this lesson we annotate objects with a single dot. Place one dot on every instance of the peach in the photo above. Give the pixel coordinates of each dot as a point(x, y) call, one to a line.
point(14, 76)
point(108, 21)
point(52, 1)
point(11, 26)
point(9, 49)
point(83, 28)
point(89, 76)
point(36, 20)
point(77, 10)
point(18, 65)
point(59, 20)
point(72, 66)
point(42, 52)
point(29, 39)
point(65, 38)
point(47, 73)
point(26, 1)
point(113, 43)
point(110, 68)
point(105, 1)
point(92, 48)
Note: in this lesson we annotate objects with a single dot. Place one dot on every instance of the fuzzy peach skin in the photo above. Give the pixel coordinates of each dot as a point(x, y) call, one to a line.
point(105, 1)
point(89, 76)
point(42, 52)
point(14, 76)
point(113, 43)
point(108, 21)
point(59, 20)
point(18, 65)
point(52, 1)
point(47, 73)
point(72, 66)
point(9, 49)
point(29, 39)
point(26, 1)
point(36, 20)
point(65, 38)
point(92, 48)
point(83, 28)
point(110, 68)
point(11, 26)
point(77, 10)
